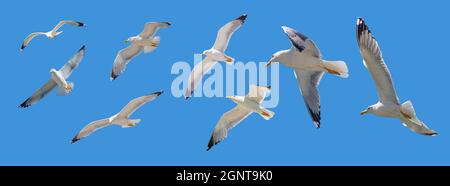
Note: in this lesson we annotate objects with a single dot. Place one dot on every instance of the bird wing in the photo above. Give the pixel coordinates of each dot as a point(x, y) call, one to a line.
point(90, 128)
point(151, 28)
point(308, 82)
point(301, 42)
point(374, 62)
point(39, 94)
point(228, 120)
point(197, 74)
point(135, 104)
point(225, 33)
point(73, 63)
point(257, 93)
point(123, 57)
point(29, 38)
point(61, 23)
point(418, 126)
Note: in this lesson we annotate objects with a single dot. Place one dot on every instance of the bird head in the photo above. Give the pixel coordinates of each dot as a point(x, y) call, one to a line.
point(367, 111)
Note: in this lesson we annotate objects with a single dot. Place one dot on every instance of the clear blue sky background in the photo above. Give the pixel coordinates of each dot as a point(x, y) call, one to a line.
point(173, 131)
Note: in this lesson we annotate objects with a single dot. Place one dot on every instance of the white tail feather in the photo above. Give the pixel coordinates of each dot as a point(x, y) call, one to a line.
point(63, 91)
point(267, 114)
point(408, 109)
point(155, 42)
point(338, 68)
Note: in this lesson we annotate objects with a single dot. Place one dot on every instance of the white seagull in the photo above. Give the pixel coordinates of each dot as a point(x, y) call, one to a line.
point(389, 104)
point(120, 119)
point(215, 54)
point(52, 33)
point(309, 67)
point(146, 41)
point(58, 79)
point(245, 106)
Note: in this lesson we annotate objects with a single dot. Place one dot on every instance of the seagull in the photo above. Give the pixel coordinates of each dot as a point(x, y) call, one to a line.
point(306, 60)
point(215, 54)
point(120, 119)
point(146, 41)
point(50, 34)
point(245, 106)
point(389, 104)
point(58, 79)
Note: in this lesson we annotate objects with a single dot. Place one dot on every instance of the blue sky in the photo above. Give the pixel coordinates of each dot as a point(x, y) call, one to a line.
point(174, 131)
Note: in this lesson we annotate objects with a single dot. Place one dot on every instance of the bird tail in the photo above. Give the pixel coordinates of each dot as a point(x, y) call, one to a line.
point(266, 114)
point(408, 110)
point(338, 68)
point(153, 46)
point(63, 91)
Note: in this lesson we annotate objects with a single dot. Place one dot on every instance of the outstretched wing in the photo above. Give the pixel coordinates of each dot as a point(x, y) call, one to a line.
point(135, 104)
point(197, 74)
point(29, 38)
point(308, 82)
point(123, 58)
point(39, 94)
point(301, 42)
point(151, 28)
point(73, 63)
point(90, 128)
point(63, 22)
point(225, 33)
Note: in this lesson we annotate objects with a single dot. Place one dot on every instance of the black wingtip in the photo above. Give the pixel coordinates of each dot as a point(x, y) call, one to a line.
point(82, 48)
point(80, 24)
point(361, 27)
point(24, 104)
point(210, 143)
point(159, 93)
point(75, 139)
point(113, 76)
point(242, 17)
point(269, 87)
point(22, 47)
point(168, 23)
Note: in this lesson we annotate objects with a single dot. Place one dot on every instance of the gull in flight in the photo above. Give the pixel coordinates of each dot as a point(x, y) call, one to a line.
point(120, 119)
point(306, 60)
point(58, 79)
point(146, 41)
point(50, 34)
point(389, 104)
point(215, 54)
point(245, 106)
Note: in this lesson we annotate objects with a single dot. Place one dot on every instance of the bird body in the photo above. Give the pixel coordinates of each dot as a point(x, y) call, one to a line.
point(388, 104)
point(120, 119)
point(306, 60)
point(50, 34)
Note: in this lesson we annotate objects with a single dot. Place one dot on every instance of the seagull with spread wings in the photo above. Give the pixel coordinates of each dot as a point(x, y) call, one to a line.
point(146, 41)
point(120, 119)
point(58, 79)
point(309, 67)
point(245, 106)
point(214, 55)
point(52, 33)
point(389, 104)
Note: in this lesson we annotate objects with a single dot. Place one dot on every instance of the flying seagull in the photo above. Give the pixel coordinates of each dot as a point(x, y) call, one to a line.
point(389, 104)
point(58, 79)
point(306, 60)
point(50, 34)
point(245, 106)
point(120, 119)
point(146, 41)
point(215, 54)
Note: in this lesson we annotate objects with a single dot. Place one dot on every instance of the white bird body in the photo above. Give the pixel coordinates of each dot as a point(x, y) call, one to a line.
point(214, 55)
point(50, 34)
point(245, 106)
point(388, 104)
point(306, 60)
point(58, 79)
point(120, 119)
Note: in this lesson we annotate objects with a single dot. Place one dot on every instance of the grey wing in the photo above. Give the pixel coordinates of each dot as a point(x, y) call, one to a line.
point(123, 57)
point(151, 28)
point(308, 82)
point(29, 38)
point(39, 94)
point(63, 22)
point(197, 74)
point(374, 62)
point(301, 42)
point(228, 121)
point(135, 104)
point(418, 126)
point(90, 128)
point(257, 93)
point(225, 33)
point(73, 63)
